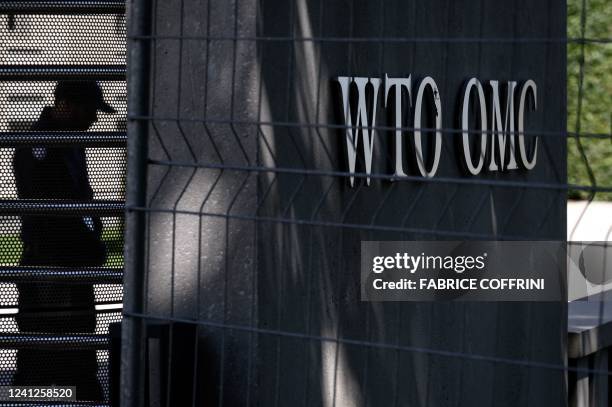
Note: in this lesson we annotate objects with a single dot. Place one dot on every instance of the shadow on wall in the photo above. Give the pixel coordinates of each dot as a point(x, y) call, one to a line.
point(280, 251)
point(200, 253)
point(308, 274)
point(308, 249)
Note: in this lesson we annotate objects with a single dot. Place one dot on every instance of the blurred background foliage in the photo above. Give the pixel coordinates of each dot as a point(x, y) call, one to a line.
point(589, 67)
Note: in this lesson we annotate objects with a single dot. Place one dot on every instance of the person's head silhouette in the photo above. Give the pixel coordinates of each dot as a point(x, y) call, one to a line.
point(77, 103)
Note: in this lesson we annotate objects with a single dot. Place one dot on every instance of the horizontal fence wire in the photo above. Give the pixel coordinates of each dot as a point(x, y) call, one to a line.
point(379, 40)
point(445, 131)
point(344, 174)
point(370, 344)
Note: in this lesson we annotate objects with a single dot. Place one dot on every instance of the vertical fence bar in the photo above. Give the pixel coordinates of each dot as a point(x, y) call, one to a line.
point(132, 351)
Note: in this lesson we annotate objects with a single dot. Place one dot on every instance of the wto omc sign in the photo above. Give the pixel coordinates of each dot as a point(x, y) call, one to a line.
point(502, 148)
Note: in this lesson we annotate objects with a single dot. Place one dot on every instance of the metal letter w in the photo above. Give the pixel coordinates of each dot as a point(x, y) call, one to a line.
point(363, 124)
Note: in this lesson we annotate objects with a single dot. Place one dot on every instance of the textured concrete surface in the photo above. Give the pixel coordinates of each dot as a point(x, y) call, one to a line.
point(294, 274)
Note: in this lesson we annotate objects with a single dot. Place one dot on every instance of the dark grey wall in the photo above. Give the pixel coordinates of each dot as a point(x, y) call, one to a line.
point(308, 275)
point(287, 257)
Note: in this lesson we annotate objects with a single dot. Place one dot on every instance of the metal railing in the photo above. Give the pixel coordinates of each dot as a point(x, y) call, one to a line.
point(55, 341)
point(88, 139)
point(62, 72)
point(58, 207)
point(63, 7)
point(98, 275)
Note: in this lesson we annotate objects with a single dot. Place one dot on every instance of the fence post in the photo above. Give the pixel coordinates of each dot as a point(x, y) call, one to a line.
point(138, 85)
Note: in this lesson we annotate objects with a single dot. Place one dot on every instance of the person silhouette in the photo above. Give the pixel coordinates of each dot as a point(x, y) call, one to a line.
point(60, 173)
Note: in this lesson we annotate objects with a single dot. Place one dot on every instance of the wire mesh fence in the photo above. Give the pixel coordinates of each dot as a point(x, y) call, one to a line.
point(251, 226)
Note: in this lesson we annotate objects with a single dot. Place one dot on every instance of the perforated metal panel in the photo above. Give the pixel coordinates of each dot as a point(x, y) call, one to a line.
point(42, 43)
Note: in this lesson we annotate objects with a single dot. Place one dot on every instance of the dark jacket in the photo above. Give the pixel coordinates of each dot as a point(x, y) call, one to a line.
point(58, 173)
